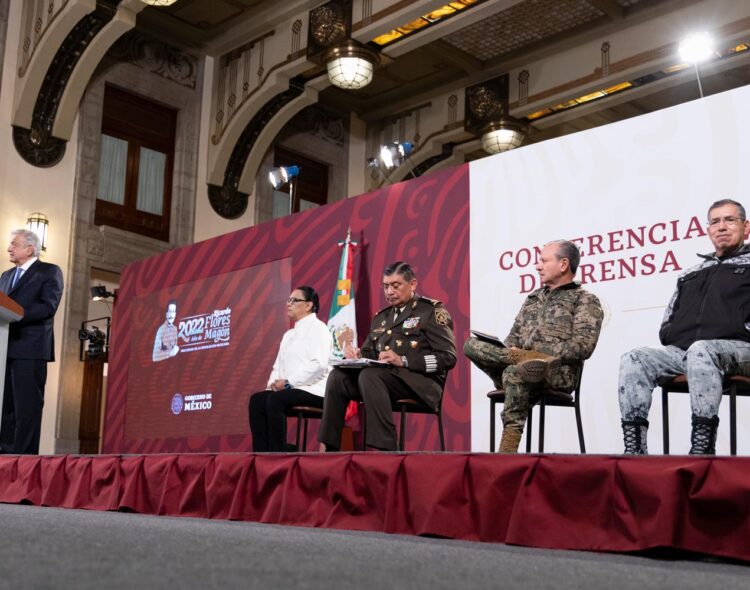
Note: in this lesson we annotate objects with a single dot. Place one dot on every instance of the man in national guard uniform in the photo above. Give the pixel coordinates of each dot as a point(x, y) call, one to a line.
point(414, 335)
point(705, 334)
point(555, 331)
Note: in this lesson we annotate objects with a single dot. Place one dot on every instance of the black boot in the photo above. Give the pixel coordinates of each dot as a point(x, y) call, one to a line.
point(635, 433)
point(703, 435)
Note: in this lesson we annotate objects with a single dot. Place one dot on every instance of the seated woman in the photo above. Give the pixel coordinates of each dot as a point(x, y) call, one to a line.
point(299, 373)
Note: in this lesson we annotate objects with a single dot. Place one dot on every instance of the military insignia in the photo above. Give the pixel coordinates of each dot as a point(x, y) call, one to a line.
point(413, 305)
point(399, 342)
point(378, 330)
point(411, 323)
point(414, 343)
point(442, 316)
point(382, 323)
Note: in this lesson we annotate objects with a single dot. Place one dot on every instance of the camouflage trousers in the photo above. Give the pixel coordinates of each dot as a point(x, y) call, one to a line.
point(705, 363)
point(494, 361)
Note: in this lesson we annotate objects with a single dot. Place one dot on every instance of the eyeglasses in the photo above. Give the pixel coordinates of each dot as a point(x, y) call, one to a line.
point(728, 221)
point(293, 300)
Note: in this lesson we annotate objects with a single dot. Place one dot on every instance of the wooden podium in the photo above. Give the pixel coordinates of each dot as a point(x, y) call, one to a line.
point(10, 311)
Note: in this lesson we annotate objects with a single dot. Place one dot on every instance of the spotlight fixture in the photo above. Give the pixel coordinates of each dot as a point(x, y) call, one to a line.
point(39, 224)
point(100, 293)
point(282, 175)
point(504, 135)
point(394, 154)
point(697, 48)
point(351, 66)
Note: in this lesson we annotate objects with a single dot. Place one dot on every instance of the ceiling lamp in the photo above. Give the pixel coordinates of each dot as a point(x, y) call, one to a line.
point(350, 66)
point(159, 2)
point(506, 134)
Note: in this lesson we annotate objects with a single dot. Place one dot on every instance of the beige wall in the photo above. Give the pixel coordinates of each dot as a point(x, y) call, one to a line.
point(24, 189)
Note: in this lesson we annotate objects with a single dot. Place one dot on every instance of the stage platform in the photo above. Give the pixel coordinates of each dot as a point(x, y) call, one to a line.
point(591, 503)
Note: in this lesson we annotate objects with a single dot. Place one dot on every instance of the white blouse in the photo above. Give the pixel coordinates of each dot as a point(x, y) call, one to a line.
point(304, 354)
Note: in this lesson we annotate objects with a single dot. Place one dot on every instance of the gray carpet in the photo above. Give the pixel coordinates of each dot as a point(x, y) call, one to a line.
point(56, 548)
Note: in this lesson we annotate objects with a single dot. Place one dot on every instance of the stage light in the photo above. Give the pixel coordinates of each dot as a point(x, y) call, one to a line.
point(697, 48)
point(280, 176)
point(507, 134)
point(394, 154)
point(100, 293)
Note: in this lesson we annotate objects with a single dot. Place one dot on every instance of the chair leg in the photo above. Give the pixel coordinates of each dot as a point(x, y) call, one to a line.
point(665, 419)
point(402, 433)
point(541, 425)
point(363, 423)
point(733, 419)
point(299, 428)
point(579, 425)
point(304, 437)
point(492, 426)
point(440, 430)
point(529, 428)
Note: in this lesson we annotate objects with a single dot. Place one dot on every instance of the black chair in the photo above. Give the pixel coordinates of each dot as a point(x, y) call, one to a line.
point(412, 406)
point(406, 406)
point(303, 414)
point(733, 386)
point(547, 397)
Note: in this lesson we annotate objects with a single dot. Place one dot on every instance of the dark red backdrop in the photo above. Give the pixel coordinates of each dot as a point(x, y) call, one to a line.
point(424, 221)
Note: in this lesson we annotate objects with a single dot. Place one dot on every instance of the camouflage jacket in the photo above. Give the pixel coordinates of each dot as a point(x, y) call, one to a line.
point(422, 332)
point(563, 322)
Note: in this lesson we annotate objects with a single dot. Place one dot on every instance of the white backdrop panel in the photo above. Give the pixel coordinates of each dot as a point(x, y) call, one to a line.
point(634, 196)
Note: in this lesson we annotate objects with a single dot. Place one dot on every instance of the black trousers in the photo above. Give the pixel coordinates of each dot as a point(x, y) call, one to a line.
point(378, 388)
point(267, 415)
point(23, 402)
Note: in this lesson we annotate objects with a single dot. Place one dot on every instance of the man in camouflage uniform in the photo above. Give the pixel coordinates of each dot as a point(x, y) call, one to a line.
point(555, 331)
point(705, 335)
point(414, 335)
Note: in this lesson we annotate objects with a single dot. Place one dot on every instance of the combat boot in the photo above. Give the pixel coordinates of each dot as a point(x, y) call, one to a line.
point(533, 366)
point(703, 435)
point(635, 434)
point(510, 441)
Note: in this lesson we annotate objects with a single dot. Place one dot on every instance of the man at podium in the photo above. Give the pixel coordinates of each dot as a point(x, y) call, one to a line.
point(37, 287)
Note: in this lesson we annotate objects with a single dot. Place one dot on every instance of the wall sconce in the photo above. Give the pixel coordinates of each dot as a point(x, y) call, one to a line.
point(282, 175)
point(350, 64)
point(39, 224)
point(100, 293)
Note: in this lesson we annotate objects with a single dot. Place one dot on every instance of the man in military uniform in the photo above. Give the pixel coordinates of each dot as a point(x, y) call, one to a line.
point(705, 334)
point(414, 336)
point(165, 342)
point(555, 331)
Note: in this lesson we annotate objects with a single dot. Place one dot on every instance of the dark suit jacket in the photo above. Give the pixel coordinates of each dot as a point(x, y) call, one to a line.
point(38, 291)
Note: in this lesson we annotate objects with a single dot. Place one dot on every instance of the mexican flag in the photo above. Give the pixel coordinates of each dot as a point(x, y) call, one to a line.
point(342, 320)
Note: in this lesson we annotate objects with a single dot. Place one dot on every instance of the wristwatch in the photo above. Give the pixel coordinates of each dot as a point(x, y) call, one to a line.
point(404, 362)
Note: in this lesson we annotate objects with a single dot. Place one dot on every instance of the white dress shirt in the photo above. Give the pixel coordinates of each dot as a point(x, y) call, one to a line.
point(304, 354)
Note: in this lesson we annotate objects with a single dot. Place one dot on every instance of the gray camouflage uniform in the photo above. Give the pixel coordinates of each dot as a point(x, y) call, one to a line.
point(714, 317)
point(563, 322)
